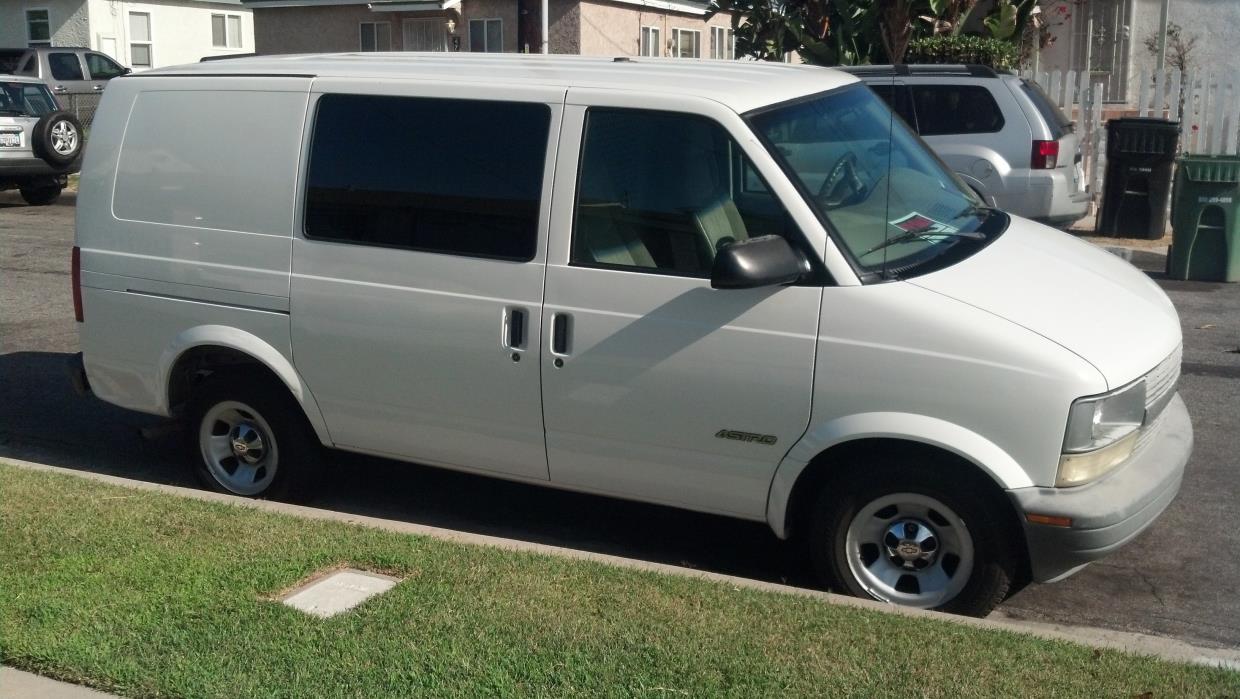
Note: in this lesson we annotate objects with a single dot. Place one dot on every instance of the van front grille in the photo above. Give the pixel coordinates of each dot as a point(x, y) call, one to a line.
point(1160, 384)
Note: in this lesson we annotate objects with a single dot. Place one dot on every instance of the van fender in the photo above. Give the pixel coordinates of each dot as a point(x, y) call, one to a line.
point(931, 431)
point(249, 344)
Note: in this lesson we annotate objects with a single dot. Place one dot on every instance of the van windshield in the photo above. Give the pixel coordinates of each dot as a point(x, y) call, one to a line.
point(896, 209)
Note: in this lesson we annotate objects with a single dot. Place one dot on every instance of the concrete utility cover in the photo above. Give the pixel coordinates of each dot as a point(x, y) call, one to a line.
point(338, 592)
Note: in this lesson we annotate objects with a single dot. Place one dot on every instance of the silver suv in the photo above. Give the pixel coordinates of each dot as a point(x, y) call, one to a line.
point(40, 145)
point(67, 70)
point(999, 132)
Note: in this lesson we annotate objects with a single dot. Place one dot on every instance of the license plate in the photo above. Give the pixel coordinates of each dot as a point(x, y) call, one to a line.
point(10, 140)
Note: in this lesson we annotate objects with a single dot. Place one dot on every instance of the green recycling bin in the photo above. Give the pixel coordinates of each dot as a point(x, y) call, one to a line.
point(1205, 219)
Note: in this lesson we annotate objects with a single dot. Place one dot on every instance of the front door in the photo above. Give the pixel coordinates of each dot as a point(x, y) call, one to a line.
point(418, 273)
point(655, 385)
point(425, 35)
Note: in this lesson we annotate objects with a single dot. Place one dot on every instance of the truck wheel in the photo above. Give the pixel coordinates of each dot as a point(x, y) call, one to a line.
point(916, 538)
point(41, 196)
point(249, 437)
point(57, 139)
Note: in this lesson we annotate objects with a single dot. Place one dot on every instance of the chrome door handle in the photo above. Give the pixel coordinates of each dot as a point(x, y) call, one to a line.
point(60, 88)
point(97, 88)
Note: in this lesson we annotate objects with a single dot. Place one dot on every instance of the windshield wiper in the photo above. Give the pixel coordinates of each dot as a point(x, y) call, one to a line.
point(920, 233)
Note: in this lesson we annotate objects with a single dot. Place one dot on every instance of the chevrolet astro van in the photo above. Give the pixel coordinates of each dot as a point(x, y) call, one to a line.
point(743, 289)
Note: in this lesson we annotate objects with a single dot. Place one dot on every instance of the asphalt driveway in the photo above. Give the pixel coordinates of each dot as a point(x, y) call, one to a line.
point(1175, 580)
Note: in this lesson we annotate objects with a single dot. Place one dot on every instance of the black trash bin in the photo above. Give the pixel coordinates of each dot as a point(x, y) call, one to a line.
point(1137, 188)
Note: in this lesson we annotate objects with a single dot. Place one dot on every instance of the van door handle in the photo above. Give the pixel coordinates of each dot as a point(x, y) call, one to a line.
point(514, 328)
point(559, 333)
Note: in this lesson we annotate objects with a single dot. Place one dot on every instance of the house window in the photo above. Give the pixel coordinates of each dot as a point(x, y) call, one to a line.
point(376, 36)
point(686, 43)
point(722, 43)
point(650, 42)
point(140, 39)
point(38, 28)
point(226, 31)
point(486, 35)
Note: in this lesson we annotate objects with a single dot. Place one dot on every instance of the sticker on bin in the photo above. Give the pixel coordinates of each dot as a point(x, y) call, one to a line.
point(1214, 200)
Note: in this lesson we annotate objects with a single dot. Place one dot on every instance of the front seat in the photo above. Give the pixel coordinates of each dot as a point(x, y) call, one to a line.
point(720, 223)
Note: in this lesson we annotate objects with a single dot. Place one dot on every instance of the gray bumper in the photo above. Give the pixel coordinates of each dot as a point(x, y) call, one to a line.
point(15, 168)
point(1110, 512)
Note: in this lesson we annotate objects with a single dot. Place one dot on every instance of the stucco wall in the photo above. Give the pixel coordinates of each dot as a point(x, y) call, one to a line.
point(69, 21)
point(1216, 23)
point(180, 31)
point(614, 29)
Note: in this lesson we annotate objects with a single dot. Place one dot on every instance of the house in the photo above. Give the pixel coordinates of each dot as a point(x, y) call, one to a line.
point(677, 28)
point(148, 34)
point(1109, 36)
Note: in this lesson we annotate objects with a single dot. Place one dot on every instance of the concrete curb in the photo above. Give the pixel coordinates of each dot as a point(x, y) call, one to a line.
point(1140, 644)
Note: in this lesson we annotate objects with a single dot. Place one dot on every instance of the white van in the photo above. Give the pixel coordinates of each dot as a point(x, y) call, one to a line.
point(736, 288)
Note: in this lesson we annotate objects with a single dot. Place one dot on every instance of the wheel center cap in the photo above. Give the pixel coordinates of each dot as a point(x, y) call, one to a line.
point(909, 550)
point(247, 443)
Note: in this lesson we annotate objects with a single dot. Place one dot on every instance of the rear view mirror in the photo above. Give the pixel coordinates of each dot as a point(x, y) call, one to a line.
point(764, 261)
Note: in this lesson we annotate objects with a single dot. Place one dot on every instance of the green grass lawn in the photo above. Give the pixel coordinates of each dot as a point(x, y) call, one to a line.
point(151, 595)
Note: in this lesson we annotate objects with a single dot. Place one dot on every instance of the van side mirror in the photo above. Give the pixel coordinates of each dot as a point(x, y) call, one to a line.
point(126, 70)
point(763, 261)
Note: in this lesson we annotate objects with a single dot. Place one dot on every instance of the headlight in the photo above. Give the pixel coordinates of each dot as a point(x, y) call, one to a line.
point(1102, 431)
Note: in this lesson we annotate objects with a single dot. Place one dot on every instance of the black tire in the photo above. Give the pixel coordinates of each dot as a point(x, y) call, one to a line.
point(41, 196)
point(994, 565)
point(277, 419)
point(58, 139)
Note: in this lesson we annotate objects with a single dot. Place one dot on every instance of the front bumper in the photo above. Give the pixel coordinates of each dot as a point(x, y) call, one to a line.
point(1110, 512)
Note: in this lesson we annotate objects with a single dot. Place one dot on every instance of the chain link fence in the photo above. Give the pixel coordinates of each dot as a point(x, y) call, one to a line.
point(82, 105)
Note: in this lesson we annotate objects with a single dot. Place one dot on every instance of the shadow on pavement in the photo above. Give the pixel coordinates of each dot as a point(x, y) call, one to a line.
point(44, 420)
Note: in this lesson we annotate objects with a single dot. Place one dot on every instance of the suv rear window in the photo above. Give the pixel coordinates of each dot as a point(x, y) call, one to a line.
point(956, 109)
point(10, 60)
point(1055, 119)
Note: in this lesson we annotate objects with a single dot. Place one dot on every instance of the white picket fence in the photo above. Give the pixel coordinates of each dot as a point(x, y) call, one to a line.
point(1208, 101)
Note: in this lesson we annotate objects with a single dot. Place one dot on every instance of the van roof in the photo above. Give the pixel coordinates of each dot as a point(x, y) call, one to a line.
point(741, 85)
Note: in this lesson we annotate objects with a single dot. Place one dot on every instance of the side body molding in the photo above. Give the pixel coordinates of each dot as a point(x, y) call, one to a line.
point(887, 425)
point(252, 345)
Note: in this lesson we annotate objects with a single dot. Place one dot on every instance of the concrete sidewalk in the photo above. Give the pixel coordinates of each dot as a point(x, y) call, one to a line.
point(15, 684)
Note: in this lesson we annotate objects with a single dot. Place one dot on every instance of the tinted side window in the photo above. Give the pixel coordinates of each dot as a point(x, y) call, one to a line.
point(101, 67)
point(663, 192)
point(956, 109)
point(65, 66)
point(10, 60)
point(1055, 119)
point(451, 176)
point(897, 98)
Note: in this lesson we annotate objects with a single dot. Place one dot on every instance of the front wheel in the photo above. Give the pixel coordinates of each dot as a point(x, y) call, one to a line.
point(248, 437)
point(41, 196)
point(913, 538)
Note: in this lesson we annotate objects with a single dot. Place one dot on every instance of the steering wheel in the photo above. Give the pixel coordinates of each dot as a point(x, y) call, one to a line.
point(842, 185)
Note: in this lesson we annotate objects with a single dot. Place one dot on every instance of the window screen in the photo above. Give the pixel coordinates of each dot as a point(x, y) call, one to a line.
point(663, 192)
point(956, 109)
point(451, 176)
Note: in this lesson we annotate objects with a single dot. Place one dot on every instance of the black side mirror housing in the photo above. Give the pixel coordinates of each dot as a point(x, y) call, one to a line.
point(767, 260)
point(126, 71)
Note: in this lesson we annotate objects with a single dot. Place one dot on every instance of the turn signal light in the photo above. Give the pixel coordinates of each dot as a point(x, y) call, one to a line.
point(1045, 155)
point(1049, 520)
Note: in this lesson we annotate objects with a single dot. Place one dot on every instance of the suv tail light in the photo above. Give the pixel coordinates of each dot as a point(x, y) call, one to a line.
point(1045, 155)
point(76, 275)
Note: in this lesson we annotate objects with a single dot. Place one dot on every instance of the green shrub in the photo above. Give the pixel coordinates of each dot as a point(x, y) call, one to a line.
point(997, 54)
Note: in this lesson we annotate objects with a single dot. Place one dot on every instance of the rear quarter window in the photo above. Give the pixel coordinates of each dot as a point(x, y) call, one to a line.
point(219, 159)
point(1055, 119)
point(956, 109)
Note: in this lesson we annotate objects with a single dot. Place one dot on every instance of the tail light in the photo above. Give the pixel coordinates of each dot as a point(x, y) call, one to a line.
point(1045, 155)
point(76, 275)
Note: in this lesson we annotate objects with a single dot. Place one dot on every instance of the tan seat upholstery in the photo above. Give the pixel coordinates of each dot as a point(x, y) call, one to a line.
point(610, 242)
point(720, 222)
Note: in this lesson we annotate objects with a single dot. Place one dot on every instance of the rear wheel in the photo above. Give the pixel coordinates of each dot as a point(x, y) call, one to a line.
point(249, 437)
point(915, 537)
point(41, 196)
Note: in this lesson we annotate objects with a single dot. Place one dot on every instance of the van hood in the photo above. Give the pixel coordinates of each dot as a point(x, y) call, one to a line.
point(1075, 294)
